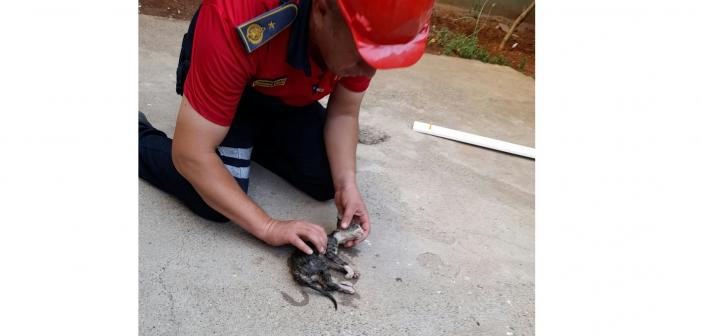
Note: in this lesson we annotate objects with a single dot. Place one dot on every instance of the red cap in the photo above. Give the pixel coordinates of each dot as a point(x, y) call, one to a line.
point(388, 33)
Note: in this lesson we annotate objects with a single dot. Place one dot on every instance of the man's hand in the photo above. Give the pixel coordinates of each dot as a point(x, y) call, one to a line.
point(295, 232)
point(349, 204)
point(341, 137)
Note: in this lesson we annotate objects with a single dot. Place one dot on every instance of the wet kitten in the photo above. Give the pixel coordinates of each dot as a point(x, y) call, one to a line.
point(313, 270)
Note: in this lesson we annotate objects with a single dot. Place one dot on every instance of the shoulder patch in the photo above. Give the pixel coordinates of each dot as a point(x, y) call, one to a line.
point(261, 29)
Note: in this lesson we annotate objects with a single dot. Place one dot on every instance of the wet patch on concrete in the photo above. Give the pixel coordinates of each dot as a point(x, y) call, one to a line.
point(369, 135)
point(433, 262)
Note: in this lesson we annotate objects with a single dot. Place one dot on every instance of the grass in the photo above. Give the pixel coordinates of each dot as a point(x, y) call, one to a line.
point(522, 63)
point(478, 6)
point(465, 46)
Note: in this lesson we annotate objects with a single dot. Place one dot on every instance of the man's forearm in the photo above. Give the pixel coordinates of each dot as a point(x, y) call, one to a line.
point(341, 138)
point(220, 191)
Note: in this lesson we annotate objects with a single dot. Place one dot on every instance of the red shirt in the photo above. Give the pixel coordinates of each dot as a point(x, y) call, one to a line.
point(221, 68)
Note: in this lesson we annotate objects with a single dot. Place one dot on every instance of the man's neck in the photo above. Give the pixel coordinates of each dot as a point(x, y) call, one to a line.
point(313, 49)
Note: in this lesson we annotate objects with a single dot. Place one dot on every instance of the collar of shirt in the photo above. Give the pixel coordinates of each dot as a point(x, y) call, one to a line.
point(298, 45)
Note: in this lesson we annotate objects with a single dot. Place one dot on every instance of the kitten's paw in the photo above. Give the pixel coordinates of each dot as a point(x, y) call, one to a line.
point(356, 275)
point(350, 273)
point(346, 283)
point(346, 289)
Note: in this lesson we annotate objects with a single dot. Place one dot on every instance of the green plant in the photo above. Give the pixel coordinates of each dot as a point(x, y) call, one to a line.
point(478, 6)
point(442, 37)
point(466, 46)
point(499, 59)
point(522, 63)
point(461, 45)
point(482, 5)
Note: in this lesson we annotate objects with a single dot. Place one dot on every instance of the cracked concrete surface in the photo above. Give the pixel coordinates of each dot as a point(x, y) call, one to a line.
point(452, 246)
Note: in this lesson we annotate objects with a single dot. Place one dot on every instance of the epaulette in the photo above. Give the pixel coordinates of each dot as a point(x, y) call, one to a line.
point(261, 29)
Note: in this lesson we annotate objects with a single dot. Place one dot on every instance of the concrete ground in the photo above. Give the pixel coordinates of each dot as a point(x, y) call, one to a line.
point(452, 246)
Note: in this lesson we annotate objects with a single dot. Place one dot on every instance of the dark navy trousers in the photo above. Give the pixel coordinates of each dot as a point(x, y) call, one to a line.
point(286, 140)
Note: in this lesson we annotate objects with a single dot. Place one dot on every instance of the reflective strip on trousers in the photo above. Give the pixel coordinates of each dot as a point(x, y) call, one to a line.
point(236, 153)
point(238, 172)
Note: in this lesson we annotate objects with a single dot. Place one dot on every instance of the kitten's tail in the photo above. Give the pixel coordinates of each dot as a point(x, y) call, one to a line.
point(325, 293)
point(318, 289)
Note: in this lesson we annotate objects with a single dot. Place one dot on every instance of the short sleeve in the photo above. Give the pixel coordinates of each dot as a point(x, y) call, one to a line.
point(356, 84)
point(220, 68)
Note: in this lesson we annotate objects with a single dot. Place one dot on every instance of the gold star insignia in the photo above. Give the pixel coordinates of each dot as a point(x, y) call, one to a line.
point(271, 25)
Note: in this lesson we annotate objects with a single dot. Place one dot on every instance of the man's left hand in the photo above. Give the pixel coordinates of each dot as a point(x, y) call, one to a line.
point(350, 204)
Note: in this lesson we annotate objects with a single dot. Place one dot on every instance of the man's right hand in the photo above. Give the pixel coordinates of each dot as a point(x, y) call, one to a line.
point(295, 232)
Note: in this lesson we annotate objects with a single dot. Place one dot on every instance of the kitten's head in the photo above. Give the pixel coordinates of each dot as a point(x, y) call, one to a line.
point(353, 232)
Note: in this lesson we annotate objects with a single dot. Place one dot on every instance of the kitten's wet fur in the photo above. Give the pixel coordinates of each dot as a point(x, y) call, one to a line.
point(313, 270)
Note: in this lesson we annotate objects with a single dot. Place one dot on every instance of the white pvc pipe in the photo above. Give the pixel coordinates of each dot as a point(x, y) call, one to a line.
point(473, 139)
